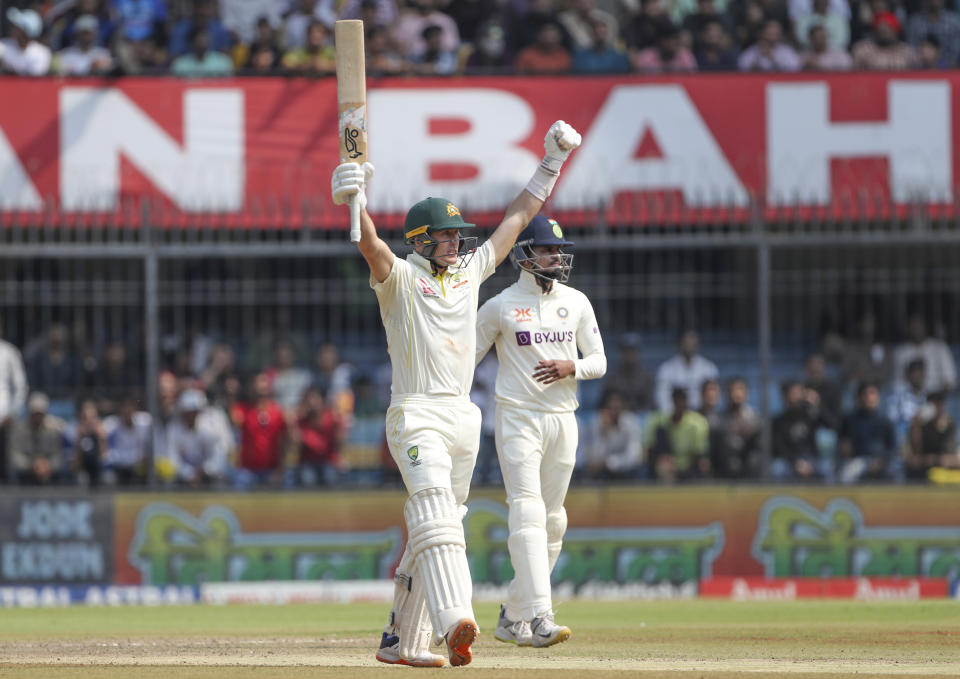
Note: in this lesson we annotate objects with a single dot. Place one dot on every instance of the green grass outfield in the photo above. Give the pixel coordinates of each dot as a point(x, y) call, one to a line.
point(699, 638)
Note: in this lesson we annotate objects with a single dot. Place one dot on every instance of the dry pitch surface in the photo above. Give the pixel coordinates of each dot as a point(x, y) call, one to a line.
point(704, 639)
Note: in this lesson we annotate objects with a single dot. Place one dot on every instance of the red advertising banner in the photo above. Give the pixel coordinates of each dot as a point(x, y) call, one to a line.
point(656, 150)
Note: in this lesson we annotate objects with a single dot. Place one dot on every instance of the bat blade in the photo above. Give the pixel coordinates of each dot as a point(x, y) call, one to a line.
point(351, 102)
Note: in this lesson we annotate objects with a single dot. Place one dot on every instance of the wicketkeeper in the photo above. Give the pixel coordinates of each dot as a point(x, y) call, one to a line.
point(428, 304)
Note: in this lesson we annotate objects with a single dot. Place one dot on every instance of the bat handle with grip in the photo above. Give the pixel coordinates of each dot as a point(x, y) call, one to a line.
point(355, 219)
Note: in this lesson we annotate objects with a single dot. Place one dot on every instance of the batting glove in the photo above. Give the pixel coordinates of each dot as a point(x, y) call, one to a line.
point(351, 179)
point(559, 143)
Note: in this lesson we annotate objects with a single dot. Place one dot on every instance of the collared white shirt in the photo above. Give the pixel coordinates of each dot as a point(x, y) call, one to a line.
point(13, 381)
point(527, 326)
point(676, 372)
point(941, 370)
point(431, 323)
point(34, 59)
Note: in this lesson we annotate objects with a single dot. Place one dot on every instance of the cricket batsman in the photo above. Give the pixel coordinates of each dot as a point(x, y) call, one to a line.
point(428, 304)
point(538, 324)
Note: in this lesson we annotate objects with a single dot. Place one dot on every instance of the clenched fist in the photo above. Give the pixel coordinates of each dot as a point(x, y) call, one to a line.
point(559, 143)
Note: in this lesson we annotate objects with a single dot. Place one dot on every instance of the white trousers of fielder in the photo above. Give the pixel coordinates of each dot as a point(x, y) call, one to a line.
point(537, 452)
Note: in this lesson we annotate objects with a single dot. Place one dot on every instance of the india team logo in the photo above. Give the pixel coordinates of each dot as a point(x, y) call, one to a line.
point(523, 338)
point(413, 452)
point(557, 231)
point(563, 312)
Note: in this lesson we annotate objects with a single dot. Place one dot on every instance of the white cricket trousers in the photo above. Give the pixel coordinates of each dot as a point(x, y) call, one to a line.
point(537, 452)
point(434, 441)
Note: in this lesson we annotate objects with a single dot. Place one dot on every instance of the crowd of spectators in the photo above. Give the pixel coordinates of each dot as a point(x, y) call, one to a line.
point(195, 38)
point(860, 411)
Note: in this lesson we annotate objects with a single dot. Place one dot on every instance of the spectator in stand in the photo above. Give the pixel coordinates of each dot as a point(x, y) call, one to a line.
point(933, 439)
point(381, 58)
point(333, 377)
point(643, 30)
point(677, 442)
point(288, 381)
point(867, 445)
point(770, 52)
point(707, 12)
point(579, 20)
point(407, 31)
point(935, 20)
point(300, 15)
point(865, 358)
point(751, 16)
point(523, 29)
point(835, 25)
point(54, 369)
point(630, 378)
point(929, 55)
point(373, 13)
point(547, 54)
point(488, 52)
point(263, 439)
point(681, 10)
point(241, 19)
point(36, 445)
point(820, 56)
point(799, 9)
point(85, 56)
point(686, 369)
point(201, 61)
point(13, 394)
point(710, 409)
point(89, 444)
point(825, 394)
point(602, 56)
point(669, 56)
point(615, 444)
point(941, 369)
point(435, 59)
point(114, 377)
point(22, 53)
point(884, 50)
point(195, 453)
point(471, 15)
point(141, 57)
point(140, 21)
point(221, 366)
point(129, 444)
point(737, 454)
point(715, 51)
point(203, 14)
point(795, 453)
point(320, 433)
point(62, 21)
point(262, 56)
point(907, 400)
point(317, 57)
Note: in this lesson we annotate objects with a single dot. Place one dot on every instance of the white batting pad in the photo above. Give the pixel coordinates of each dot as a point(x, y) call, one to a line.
point(435, 537)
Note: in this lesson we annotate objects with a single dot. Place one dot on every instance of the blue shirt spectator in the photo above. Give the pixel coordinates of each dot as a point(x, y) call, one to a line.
point(204, 16)
point(139, 19)
point(602, 56)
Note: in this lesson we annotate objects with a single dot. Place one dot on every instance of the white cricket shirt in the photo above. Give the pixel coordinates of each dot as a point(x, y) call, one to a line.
point(431, 323)
point(528, 326)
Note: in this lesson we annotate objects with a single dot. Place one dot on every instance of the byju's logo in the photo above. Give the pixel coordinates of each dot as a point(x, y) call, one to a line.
point(523, 338)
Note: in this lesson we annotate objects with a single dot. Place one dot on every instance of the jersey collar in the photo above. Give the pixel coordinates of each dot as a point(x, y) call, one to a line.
point(528, 283)
point(419, 260)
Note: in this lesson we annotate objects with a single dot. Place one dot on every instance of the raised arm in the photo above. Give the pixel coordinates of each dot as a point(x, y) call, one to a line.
point(349, 183)
point(559, 143)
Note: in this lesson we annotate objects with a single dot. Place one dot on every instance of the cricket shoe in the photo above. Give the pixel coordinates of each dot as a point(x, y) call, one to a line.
point(513, 631)
point(546, 632)
point(389, 652)
point(459, 639)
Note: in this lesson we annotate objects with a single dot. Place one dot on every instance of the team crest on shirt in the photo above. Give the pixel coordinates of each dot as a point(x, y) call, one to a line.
point(426, 288)
point(563, 312)
point(459, 280)
point(413, 452)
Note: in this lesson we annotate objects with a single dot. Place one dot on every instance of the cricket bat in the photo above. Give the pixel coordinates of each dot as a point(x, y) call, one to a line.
point(351, 102)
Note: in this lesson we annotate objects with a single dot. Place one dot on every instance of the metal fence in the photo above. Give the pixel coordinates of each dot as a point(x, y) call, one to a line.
point(763, 290)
